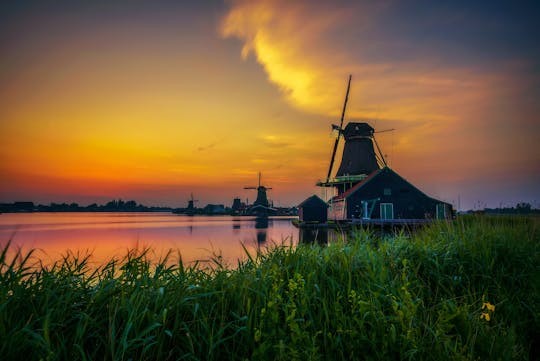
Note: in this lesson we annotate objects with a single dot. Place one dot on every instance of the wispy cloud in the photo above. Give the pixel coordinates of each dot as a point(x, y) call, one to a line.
point(284, 37)
point(308, 50)
point(207, 147)
point(274, 141)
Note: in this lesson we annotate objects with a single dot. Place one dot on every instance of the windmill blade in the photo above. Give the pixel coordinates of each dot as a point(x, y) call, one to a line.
point(250, 187)
point(340, 130)
point(386, 130)
point(381, 155)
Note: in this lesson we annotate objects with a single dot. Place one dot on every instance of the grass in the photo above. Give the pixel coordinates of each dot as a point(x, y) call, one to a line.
point(412, 297)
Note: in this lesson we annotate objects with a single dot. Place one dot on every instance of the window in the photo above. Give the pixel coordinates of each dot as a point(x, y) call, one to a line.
point(387, 211)
point(365, 211)
point(387, 192)
point(440, 211)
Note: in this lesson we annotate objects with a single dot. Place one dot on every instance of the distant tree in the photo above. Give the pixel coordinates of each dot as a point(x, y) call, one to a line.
point(92, 207)
point(523, 208)
point(111, 204)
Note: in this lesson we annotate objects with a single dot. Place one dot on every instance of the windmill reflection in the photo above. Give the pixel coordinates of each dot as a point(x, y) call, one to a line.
point(261, 225)
point(190, 227)
point(236, 225)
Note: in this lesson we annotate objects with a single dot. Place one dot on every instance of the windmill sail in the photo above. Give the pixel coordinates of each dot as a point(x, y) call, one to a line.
point(339, 130)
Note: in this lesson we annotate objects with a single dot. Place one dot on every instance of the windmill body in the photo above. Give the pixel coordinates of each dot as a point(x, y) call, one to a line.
point(359, 157)
point(261, 207)
point(190, 210)
point(358, 152)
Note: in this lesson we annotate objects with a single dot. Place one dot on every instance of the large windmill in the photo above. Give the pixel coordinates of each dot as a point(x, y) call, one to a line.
point(359, 157)
point(368, 191)
point(261, 206)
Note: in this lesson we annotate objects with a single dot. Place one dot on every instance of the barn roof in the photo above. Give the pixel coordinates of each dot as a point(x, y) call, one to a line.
point(313, 201)
point(374, 175)
point(360, 184)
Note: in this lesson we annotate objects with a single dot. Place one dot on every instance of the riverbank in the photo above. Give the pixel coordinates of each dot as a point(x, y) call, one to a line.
point(467, 290)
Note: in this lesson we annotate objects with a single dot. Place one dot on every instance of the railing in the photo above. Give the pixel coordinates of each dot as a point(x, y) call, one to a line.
point(341, 180)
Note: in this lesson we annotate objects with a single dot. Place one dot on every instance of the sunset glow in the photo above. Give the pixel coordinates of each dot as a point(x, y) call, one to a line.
point(153, 101)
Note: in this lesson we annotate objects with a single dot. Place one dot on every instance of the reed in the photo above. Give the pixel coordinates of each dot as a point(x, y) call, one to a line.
point(463, 290)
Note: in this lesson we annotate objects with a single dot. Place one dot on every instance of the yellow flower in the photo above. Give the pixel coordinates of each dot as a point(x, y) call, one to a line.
point(489, 306)
point(257, 335)
point(485, 315)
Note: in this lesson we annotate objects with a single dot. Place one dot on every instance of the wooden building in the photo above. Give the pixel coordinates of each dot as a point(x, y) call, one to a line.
point(313, 209)
point(384, 195)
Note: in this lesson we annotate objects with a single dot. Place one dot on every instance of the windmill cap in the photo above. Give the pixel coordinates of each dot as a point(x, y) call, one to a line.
point(358, 129)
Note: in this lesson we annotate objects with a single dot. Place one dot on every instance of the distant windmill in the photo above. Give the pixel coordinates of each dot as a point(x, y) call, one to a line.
point(191, 205)
point(262, 199)
point(261, 206)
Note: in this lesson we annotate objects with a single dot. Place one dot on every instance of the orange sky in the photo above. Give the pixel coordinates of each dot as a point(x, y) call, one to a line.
point(154, 100)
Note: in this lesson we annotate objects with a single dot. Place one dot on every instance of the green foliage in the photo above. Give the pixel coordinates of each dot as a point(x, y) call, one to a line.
point(420, 296)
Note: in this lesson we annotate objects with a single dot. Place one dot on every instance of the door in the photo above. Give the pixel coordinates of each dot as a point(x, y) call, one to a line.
point(387, 211)
point(441, 211)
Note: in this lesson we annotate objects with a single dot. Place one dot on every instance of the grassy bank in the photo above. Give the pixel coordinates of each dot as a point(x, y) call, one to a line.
point(468, 290)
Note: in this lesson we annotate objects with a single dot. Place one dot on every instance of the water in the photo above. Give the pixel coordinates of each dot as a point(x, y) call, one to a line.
point(108, 235)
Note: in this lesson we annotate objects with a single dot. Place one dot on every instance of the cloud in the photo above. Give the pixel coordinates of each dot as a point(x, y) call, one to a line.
point(274, 141)
point(283, 36)
point(307, 49)
point(207, 147)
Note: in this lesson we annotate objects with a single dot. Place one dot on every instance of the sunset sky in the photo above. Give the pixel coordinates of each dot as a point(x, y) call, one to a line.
point(154, 100)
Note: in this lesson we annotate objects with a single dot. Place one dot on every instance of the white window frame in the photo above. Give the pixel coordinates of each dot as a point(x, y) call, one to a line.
point(384, 206)
point(437, 207)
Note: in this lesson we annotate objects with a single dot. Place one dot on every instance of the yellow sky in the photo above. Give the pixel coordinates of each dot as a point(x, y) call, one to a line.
point(154, 105)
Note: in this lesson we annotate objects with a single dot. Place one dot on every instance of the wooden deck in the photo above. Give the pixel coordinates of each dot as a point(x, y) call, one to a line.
point(344, 224)
point(391, 222)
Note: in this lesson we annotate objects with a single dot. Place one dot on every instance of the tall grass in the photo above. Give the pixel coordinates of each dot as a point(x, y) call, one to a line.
point(417, 297)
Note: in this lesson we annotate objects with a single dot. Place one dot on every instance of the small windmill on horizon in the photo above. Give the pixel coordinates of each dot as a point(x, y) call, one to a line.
point(261, 207)
point(190, 210)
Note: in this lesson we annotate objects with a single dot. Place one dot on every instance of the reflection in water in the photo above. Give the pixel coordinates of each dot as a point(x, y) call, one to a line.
point(108, 235)
point(261, 237)
point(321, 236)
point(236, 225)
point(313, 235)
point(261, 224)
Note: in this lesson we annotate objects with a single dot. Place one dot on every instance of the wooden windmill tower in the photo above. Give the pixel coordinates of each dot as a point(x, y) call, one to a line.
point(359, 157)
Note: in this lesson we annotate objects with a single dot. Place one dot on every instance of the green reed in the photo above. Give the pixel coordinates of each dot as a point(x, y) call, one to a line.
point(463, 290)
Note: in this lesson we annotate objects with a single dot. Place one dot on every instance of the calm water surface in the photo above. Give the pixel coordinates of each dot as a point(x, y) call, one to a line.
point(108, 235)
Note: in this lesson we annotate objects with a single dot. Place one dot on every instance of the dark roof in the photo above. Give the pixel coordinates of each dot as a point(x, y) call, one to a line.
point(313, 201)
point(374, 175)
point(357, 129)
point(361, 184)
